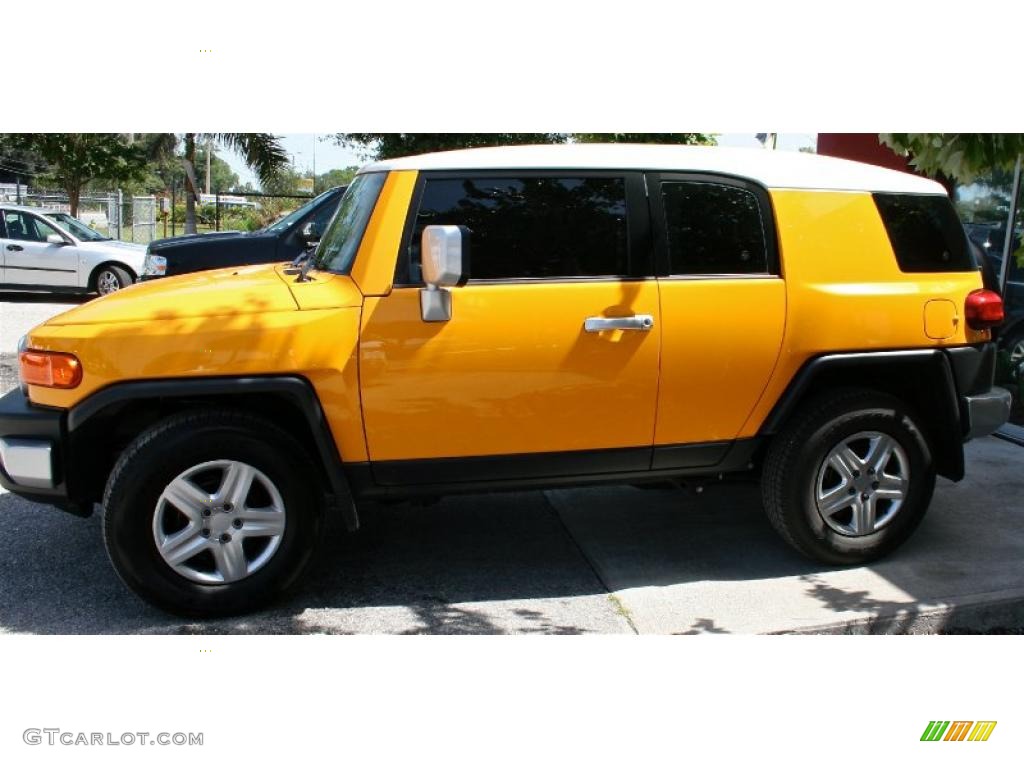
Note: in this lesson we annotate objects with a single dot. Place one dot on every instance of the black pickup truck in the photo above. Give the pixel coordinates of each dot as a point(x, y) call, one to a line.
point(284, 240)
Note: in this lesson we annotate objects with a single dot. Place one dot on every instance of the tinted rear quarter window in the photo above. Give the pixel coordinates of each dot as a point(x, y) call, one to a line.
point(713, 229)
point(925, 233)
point(531, 226)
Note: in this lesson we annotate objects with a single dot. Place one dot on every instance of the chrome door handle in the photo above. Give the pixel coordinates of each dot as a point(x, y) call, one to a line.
point(634, 323)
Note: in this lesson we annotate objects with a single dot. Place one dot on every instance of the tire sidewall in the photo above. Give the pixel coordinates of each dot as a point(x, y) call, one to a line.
point(131, 505)
point(118, 274)
point(812, 532)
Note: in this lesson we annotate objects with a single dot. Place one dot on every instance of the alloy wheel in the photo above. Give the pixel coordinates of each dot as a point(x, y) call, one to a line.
point(862, 483)
point(218, 522)
point(107, 282)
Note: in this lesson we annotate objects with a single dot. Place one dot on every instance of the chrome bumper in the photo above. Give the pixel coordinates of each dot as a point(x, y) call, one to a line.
point(28, 462)
point(986, 412)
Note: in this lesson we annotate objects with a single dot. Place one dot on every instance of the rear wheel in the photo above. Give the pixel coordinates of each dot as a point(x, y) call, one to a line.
point(849, 479)
point(212, 513)
point(1014, 345)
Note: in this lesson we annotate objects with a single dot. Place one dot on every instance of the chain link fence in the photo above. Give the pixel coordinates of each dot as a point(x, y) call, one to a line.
point(130, 218)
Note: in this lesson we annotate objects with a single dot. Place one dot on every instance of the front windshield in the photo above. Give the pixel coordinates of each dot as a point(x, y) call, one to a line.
point(286, 221)
point(77, 228)
point(340, 242)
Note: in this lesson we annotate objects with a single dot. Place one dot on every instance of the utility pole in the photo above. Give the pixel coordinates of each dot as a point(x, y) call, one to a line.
point(1008, 253)
point(209, 158)
point(314, 165)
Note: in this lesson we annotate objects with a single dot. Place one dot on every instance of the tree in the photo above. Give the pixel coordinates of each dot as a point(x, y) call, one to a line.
point(643, 138)
point(72, 160)
point(339, 177)
point(381, 146)
point(960, 156)
point(262, 152)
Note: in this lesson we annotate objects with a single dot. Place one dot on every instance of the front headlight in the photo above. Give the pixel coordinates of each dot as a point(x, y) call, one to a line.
point(154, 266)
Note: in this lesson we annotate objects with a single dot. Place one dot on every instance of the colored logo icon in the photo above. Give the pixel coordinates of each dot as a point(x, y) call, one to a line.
point(958, 730)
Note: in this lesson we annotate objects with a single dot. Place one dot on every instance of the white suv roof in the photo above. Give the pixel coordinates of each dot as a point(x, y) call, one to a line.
point(773, 169)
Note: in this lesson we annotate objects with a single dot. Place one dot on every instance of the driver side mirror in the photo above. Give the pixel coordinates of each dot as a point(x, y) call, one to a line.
point(55, 239)
point(309, 235)
point(444, 257)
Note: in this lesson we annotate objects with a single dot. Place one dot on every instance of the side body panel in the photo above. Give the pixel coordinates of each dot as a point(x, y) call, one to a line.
point(318, 344)
point(512, 372)
point(720, 343)
point(845, 291)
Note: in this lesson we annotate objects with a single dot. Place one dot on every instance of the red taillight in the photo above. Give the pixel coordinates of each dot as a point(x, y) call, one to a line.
point(983, 309)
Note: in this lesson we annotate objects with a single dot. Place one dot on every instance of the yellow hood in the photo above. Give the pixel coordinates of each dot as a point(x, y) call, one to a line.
point(231, 291)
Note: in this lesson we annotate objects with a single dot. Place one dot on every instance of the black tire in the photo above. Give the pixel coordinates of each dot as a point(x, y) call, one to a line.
point(108, 275)
point(184, 441)
point(1013, 343)
point(790, 476)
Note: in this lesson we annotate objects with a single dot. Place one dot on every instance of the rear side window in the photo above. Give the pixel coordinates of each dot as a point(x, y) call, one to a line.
point(713, 229)
point(531, 227)
point(925, 233)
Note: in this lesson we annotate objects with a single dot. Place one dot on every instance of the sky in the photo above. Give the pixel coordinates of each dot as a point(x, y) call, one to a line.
point(307, 149)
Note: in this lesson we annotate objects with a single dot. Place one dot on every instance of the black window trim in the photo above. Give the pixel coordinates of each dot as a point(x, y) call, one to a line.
point(654, 180)
point(638, 224)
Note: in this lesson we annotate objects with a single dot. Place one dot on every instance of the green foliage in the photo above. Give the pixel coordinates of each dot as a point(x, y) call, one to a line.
point(286, 181)
point(339, 177)
point(644, 138)
point(72, 160)
point(960, 156)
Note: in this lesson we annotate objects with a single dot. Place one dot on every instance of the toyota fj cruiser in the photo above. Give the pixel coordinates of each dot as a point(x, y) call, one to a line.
point(523, 317)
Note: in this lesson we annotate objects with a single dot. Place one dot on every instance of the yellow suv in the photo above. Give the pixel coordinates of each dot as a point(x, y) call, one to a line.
point(523, 317)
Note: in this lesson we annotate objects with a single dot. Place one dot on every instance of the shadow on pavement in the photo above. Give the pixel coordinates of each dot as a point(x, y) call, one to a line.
point(42, 297)
point(55, 576)
point(426, 561)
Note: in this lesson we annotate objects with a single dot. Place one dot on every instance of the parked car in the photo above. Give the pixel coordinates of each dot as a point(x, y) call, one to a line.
point(51, 250)
point(284, 240)
point(524, 317)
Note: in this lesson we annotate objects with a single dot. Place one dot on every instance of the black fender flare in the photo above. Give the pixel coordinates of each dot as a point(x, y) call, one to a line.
point(297, 390)
point(940, 403)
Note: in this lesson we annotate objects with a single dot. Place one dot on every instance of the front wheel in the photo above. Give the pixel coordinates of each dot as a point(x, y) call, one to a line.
point(849, 479)
point(212, 513)
point(110, 279)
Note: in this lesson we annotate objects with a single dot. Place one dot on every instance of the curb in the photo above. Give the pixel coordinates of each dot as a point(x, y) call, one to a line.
point(987, 613)
point(1011, 433)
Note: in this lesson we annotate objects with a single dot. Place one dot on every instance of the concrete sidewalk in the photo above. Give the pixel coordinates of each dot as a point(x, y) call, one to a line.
point(711, 562)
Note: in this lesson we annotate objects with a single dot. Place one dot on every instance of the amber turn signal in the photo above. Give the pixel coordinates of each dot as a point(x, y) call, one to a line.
point(50, 369)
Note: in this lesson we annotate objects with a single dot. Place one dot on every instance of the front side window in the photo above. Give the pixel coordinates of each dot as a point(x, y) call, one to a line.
point(338, 246)
point(531, 227)
point(713, 229)
point(77, 228)
point(24, 226)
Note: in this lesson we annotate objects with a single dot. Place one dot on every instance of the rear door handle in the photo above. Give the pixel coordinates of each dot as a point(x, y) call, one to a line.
point(13, 247)
point(634, 323)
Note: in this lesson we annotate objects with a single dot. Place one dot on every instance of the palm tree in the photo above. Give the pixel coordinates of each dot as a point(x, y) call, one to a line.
point(262, 152)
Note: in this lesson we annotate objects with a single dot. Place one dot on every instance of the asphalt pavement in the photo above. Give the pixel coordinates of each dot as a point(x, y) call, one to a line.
point(599, 560)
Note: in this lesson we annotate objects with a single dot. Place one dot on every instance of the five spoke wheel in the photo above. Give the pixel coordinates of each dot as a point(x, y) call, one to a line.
point(862, 483)
point(218, 522)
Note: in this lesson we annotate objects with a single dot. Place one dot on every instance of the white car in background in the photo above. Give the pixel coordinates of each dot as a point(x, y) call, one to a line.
point(49, 250)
